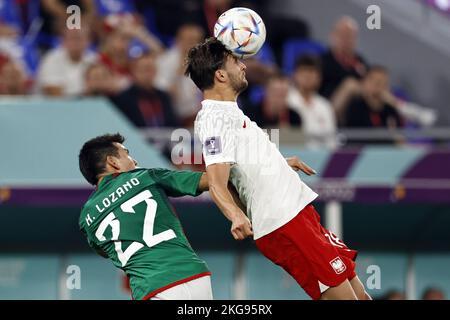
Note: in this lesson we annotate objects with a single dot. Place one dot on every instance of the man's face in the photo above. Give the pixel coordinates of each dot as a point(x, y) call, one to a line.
point(117, 43)
point(236, 73)
point(144, 71)
point(76, 42)
point(124, 161)
point(307, 78)
point(98, 79)
point(276, 93)
point(375, 84)
point(345, 35)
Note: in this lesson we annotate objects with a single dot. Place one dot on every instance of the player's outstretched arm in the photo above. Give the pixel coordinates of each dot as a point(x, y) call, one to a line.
point(297, 164)
point(218, 175)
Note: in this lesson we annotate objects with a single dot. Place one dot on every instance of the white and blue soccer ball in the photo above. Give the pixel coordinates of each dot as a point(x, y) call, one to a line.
point(241, 30)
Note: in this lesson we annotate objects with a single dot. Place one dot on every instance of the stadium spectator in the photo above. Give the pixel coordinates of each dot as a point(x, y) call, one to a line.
point(13, 79)
point(273, 111)
point(54, 15)
point(114, 55)
point(167, 16)
point(10, 25)
point(142, 103)
point(99, 81)
point(114, 14)
point(114, 51)
point(318, 119)
point(170, 75)
point(370, 109)
point(61, 72)
point(7, 31)
point(11, 31)
point(433, 293)
point(12, 48)
point(413, 114)
point(3, 59)
point(343, 67)
point(114, 7)
point(393, 294)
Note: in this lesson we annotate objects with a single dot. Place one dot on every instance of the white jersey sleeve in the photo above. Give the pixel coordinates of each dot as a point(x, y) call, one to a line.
point(216, 131)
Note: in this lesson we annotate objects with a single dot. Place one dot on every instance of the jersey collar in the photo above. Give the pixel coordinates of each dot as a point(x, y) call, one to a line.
point(210, 102)
point(107, 179)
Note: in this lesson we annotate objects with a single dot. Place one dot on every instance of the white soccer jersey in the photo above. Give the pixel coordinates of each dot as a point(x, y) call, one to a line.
point(271, 190)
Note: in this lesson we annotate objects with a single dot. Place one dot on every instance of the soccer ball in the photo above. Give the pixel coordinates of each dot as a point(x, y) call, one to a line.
point(241, 30)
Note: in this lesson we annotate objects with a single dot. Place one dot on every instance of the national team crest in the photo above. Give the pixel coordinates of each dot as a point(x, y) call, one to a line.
point(213, 146)
point(338, 265)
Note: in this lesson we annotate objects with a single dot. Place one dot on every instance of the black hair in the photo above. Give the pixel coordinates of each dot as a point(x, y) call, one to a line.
point(92, 157)
point(308, 61)
point(204, 60)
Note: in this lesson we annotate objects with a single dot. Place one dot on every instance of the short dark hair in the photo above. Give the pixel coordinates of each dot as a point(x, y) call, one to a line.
point(92, 157)
point(308, 61)
point(204, 60)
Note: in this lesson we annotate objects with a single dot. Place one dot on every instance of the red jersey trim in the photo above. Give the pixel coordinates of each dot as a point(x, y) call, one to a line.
point(154, 293)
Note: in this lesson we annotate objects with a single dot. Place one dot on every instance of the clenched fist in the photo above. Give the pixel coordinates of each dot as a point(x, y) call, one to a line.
point(241, 227)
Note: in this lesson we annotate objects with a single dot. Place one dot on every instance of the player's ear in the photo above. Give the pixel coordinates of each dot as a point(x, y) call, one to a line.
point(221, 75)
point(112, 162)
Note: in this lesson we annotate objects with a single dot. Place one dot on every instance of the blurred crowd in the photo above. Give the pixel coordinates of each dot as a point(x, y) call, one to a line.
point(429, 293)
point(132, 52)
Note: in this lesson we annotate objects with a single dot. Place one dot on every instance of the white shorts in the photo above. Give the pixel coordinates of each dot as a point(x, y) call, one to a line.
point(197, 289)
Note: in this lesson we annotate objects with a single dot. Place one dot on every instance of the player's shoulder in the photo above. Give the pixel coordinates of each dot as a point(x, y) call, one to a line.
point(217, 110)
point(153, 171)
point(161, 174)
point(217, 119)
point(134, 173)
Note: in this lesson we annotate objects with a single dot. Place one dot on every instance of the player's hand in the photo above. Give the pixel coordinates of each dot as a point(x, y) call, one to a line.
point(241, 227)
point(297, 164)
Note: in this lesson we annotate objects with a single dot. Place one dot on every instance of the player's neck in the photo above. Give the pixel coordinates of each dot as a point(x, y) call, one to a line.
point(103, 175)
point(222, 95)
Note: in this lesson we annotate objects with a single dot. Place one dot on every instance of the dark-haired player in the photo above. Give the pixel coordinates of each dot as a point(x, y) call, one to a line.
point(129, 220)
point(285, 224)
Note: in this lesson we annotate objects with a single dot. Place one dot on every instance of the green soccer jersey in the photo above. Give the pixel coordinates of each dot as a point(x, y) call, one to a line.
point(129, 218)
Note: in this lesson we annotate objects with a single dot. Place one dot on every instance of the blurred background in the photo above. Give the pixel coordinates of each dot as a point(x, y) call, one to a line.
point(365, 106)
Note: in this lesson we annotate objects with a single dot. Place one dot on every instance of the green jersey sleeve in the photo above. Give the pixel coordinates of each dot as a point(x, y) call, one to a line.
point(177, 183)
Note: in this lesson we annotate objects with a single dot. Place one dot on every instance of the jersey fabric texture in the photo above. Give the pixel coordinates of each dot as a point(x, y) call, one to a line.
point(272, 192)
point(130, 219)
point(315, 257)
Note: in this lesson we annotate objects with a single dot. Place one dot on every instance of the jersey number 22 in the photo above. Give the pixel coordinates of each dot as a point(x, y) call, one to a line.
point(149, 238)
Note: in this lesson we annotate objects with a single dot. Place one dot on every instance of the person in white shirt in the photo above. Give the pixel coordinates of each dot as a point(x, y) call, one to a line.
point(318, 119)
point(284, 224)
point(62, 69)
